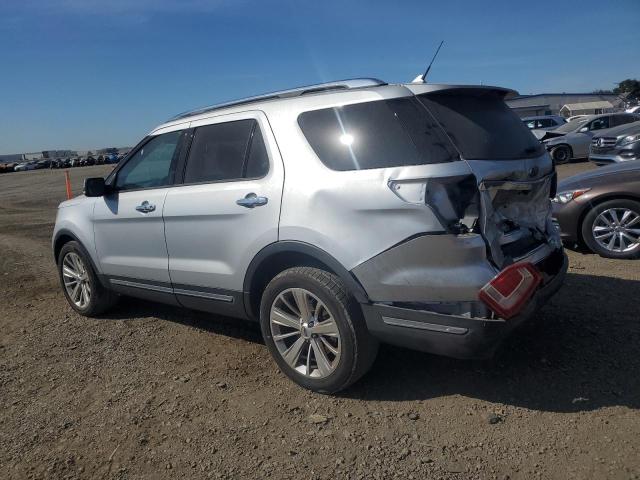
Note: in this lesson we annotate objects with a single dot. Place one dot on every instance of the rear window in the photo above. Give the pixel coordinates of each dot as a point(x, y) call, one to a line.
point(380, 134)
point(482, 126)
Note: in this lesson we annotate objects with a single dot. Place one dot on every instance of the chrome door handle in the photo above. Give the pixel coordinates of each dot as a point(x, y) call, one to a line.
point(251, 200)
point(145, 207)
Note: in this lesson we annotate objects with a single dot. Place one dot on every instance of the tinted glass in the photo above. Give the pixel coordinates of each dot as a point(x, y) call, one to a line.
point(572, 126)
point(622, 119)
point(258, 161)
point(387, 133)
point(152, 165)
point(599, 123)
point(218, 151)
point(481, 125)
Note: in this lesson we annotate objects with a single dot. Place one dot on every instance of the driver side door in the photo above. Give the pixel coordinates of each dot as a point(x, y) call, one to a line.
point(581, 147)
point(128, 221)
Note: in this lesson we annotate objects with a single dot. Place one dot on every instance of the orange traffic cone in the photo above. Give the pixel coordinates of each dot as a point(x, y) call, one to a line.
point(67, 182)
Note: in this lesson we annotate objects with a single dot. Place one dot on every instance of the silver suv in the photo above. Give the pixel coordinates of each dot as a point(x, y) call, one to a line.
point(336, 215)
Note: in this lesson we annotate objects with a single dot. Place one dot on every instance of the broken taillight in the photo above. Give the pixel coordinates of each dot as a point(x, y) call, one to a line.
point(509, 291)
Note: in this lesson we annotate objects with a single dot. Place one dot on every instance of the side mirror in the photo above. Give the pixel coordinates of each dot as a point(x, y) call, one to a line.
point(94, 187)
point(583, 129)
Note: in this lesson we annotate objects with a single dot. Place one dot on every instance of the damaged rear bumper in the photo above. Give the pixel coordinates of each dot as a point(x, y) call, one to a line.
point(456, 335)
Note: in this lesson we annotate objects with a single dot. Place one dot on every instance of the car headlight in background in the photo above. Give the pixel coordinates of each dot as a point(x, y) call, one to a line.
point(629, 139)
point(566, 197)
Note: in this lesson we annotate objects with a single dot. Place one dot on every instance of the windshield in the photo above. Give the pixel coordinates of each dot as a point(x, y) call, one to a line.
point(481, 125)
point(572, 126)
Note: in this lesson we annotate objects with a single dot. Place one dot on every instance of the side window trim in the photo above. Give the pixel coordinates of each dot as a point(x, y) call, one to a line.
point(112, 178)
point(245, 162)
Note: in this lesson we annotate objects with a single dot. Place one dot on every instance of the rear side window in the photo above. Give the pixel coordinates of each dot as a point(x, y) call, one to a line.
point(380, 134)
point(227, 151)
point(623, 119)
point(482, 126)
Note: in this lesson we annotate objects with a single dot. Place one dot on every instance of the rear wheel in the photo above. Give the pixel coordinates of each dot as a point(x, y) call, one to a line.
point(612, 229)
point(80, 284)
point(561, 154)
point(315, 331)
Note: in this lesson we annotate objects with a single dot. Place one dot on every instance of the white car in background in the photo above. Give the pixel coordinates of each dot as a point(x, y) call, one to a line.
point(24, 166)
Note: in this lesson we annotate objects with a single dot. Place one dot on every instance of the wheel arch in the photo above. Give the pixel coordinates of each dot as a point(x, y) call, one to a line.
point(279, 256)
point(605, 197)
point(562, 145)
point(64, 236)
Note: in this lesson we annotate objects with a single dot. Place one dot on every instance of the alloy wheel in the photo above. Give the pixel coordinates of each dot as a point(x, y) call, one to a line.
point(305, 333)
point(76, 280)
point(617, 229)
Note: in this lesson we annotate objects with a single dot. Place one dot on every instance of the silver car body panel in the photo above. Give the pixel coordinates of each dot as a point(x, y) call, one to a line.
point(210, 238)
point(130, 243)
point(433, 268)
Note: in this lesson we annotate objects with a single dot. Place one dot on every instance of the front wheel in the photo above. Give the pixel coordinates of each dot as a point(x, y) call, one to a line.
point(315, 331)
point(612, 229)
point(80, 283)
point(561, 154)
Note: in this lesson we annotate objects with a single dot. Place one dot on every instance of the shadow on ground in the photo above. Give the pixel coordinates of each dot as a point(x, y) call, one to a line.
point(580, 353)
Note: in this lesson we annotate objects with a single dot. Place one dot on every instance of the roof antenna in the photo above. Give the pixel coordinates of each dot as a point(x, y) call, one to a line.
point(423, 78)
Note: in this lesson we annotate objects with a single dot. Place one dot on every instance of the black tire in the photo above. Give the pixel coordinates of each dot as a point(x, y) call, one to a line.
point(100, 299)
point(590, 218)
point(561, 154)
point(358, 347)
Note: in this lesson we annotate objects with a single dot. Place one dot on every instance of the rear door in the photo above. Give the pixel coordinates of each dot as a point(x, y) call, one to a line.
point(226, 210)
point(128, 225)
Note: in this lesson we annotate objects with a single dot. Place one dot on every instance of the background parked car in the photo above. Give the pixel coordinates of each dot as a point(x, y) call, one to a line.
point(24, 166)
point(573, 139)
point(635, 109)
point(619, 144)
point(7, 167)
point(543, 122)
point(600, 209)
point(44, 163)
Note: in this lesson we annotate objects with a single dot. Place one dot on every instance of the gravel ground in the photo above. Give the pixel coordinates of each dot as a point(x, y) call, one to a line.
point(155, 392)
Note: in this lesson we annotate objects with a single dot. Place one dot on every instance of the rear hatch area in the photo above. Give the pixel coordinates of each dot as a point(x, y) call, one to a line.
point(514, 175)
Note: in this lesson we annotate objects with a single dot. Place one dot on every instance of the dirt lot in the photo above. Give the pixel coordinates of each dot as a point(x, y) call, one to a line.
point(156, 392)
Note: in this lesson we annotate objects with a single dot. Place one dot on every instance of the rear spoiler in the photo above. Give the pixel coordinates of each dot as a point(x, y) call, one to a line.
point(418, 89)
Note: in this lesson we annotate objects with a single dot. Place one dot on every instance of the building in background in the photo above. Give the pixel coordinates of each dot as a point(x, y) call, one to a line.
point(553, 103)
point(586, 108)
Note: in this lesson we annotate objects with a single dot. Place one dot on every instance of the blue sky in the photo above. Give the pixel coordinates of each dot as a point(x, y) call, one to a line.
point(93, 73)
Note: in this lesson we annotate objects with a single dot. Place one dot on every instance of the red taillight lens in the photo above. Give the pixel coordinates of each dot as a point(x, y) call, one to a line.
point(508, 292)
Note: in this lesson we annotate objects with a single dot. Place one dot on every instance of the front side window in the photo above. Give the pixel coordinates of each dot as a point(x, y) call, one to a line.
point(481, 125)
point(599, 123)
point(227, 151)
point(151, 166)
point(379, 134)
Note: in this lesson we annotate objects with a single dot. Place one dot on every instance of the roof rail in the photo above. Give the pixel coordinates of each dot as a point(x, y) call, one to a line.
point(293, 92)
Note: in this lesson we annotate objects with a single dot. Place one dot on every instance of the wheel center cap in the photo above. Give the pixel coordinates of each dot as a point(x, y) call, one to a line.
point(306, 329)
